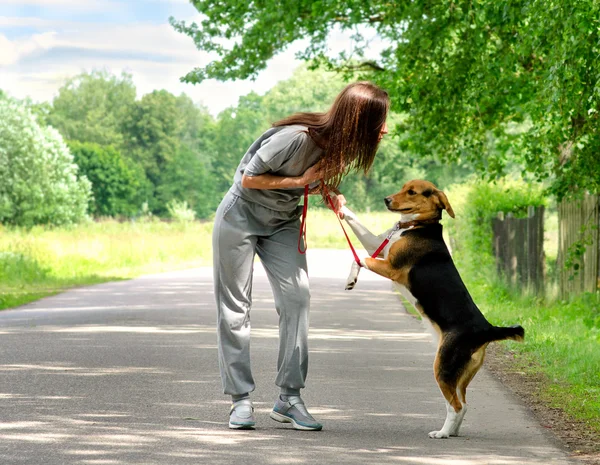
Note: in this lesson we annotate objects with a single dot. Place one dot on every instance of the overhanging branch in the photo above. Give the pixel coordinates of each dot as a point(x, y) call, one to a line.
point(373, 65)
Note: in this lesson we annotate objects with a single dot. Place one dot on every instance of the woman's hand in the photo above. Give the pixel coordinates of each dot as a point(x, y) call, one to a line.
point(338, 202)
point(312, 174)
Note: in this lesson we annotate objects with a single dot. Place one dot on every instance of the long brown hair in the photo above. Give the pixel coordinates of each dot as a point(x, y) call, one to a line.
point(349, 132)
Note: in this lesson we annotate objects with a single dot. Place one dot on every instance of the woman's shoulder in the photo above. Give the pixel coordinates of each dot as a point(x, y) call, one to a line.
point(293, 131)
point(282, 136)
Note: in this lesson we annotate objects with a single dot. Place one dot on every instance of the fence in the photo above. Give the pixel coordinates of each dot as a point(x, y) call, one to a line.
point(578, 245)
point(519, 249)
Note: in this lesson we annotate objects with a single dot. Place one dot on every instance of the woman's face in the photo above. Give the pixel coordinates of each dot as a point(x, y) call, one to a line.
point(383, 132)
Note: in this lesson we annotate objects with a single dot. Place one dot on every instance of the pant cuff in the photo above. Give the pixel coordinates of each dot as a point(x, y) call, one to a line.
point(290, 392)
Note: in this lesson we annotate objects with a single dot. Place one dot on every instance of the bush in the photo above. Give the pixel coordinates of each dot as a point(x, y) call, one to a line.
point(117, 184)
point(477, 203)
point(38, 179)
point(187, 178)
point(181, 212)
point(20, 267)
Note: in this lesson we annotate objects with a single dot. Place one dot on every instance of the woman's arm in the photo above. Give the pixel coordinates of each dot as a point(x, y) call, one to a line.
point(270, 181)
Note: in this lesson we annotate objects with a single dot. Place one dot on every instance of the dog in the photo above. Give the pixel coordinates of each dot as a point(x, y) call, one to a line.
point(418, 259)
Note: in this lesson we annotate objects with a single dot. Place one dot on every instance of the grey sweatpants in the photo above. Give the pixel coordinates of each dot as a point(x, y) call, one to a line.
point(243, 229)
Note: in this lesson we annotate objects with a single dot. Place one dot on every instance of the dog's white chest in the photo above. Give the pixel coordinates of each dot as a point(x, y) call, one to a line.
point(397, 235)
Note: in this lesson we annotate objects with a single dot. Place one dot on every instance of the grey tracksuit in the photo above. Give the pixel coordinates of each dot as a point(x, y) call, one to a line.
point(266, 223)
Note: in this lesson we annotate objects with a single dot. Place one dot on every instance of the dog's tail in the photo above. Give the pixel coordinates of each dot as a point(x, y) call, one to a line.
point(500, 333)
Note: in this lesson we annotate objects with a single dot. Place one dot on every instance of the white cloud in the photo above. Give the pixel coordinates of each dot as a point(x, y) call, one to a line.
point(87, 5)
point(24, 21)
point(139, 37)
point(8, 52)
point(154, 54)
point(12, 51)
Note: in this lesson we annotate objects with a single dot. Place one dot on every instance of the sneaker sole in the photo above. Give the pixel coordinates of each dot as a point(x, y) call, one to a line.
point(242, 426)
point(283, 419)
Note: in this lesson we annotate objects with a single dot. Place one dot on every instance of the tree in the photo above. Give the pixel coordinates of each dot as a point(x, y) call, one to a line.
point(237, 127)
point(188, 179)
point(119, 187)
point(169, 137)
point(92, 107)
point(153, 127)
point(488, 83)
point(39, 182)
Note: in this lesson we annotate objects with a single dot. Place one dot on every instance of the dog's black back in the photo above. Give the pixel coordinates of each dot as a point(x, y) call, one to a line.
point(436, 284)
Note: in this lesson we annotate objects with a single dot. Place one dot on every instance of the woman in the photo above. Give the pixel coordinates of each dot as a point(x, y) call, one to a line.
point(260, 215)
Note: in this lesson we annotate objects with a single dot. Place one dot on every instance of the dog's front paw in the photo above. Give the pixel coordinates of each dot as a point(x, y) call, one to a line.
point(353, 276)
point(438, 435)
point(348, 214)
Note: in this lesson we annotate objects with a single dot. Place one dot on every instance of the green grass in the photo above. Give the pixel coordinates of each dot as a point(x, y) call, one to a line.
point(324, 230)
point(44, 261)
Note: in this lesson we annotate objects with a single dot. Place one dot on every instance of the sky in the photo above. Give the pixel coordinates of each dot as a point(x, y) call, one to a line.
point(44, 42)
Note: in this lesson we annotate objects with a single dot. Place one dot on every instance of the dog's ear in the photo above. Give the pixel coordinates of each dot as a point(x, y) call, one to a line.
point(444, 201)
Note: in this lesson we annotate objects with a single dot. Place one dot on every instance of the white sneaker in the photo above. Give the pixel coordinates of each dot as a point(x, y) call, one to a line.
point(294, 411)
point(241, 415)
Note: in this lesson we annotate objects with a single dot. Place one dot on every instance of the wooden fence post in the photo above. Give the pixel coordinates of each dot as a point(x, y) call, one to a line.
point(535, 248)
point(579, 220)
point(519, 249)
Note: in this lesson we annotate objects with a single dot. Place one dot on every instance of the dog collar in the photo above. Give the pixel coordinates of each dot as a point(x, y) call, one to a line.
point(410, 224)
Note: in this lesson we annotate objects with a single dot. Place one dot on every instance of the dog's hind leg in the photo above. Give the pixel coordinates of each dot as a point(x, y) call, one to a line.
point(467, 376)
point(452, 418)
point(454, 412)
point(447, 383)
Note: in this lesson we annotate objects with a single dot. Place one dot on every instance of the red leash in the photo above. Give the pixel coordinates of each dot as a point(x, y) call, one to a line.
point(303, 223)
point(379, 249)
point(303, 228)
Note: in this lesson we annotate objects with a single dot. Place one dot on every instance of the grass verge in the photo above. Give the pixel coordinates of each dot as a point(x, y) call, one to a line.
point(562, 340)
point(45, 261)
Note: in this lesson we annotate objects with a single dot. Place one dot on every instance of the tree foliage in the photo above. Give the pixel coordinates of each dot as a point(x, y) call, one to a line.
point(39, 182)
point(237, 127)
point(153, 127)
point(167, 136)
point(148, 151)
point(488, 83)
point(118, 186)
point(166, 150)
point(188, 179)
point(92, 107)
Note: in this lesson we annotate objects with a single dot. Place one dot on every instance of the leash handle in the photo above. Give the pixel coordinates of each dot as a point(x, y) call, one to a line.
point(303, 223)
point(328, 197)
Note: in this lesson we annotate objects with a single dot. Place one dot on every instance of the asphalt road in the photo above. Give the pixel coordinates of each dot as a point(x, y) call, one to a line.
point(126, 373)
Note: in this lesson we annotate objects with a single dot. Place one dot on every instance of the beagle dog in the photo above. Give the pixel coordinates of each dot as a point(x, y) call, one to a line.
point(417, 258)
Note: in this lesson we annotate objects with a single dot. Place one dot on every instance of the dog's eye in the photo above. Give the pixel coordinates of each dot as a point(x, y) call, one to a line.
point(411, 192)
